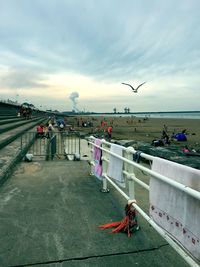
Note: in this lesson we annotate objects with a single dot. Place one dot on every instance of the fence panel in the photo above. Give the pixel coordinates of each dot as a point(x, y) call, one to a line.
point(58, 144)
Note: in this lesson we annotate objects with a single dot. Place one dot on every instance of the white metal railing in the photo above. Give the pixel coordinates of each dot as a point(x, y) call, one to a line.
point(129, 173)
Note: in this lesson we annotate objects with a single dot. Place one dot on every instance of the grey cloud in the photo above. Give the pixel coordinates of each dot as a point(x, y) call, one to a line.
point(108, 40)
point(88, 38)
point(22, 79)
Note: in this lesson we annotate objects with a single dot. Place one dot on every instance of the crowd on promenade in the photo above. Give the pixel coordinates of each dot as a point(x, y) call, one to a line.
point(52, 125)
point(124, 128)
point(104, 129)
point(25, 112)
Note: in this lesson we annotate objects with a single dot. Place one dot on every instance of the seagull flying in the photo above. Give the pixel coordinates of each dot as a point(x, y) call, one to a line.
point(135, 90)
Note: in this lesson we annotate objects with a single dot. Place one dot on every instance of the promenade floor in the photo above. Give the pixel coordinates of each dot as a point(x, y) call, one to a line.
point(49, 213)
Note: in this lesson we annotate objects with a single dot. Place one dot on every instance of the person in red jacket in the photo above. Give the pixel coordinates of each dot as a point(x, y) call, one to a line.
point(40, 132)
point(109, 132)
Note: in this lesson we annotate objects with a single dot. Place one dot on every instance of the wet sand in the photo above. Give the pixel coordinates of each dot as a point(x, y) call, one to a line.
point(138, 129)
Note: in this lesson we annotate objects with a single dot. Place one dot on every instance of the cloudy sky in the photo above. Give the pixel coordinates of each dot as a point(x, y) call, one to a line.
point(50, 49)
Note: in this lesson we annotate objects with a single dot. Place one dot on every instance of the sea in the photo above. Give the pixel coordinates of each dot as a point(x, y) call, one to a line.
point(175, 115)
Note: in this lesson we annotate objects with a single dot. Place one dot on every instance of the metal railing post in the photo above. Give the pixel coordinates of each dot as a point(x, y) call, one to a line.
point(79, 145)
point(130, 170)
point(91, 156)
point(105, 169)
point(53, 149)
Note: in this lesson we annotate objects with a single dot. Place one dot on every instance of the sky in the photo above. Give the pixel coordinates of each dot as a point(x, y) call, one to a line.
point(51, 50)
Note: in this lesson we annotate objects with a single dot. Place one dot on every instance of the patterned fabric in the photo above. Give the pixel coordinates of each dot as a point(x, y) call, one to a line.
point(174, 210)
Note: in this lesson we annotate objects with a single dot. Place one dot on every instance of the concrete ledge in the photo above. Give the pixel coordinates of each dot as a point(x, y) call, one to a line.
point(8, 120)
point(10, 139)
point(13, 126)
point(7, 170)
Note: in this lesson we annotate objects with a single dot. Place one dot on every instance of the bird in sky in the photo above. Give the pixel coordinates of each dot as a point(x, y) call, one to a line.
point(135, 90)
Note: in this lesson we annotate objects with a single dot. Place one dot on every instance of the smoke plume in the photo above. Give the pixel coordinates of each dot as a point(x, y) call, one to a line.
point(73, 97)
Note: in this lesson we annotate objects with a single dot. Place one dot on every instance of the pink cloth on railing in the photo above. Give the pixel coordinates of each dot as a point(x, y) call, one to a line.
point(97, 153)
point(174, 210)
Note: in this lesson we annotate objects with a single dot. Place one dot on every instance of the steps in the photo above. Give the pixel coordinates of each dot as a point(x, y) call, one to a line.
point(11, 131)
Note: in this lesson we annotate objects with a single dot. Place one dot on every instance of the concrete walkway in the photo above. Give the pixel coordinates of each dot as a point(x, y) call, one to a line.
point(49, 213)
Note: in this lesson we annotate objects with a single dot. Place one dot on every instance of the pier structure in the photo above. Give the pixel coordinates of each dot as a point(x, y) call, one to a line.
point(51, 207)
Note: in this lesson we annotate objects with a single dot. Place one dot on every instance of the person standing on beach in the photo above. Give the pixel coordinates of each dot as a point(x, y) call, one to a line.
point(109, 132)
point(165, 135)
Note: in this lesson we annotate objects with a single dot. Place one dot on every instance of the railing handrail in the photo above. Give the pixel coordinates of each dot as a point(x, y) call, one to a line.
point(127, 149)
point(165, 235)
point(194, 193)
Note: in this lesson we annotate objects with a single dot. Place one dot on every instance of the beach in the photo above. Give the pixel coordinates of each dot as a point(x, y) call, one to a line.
point(142, 129)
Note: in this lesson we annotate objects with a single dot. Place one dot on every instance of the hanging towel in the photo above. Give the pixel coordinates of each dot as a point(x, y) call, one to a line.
point(115, 166)
point(174, 210)
point(97, 150)
point(97, 153)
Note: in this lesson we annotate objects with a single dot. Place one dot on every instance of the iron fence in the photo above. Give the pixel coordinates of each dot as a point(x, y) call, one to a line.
point(51, 145)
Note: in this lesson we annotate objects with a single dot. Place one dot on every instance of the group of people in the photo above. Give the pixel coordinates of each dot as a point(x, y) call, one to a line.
point(104, 129)
point(25, 112)
point(44, 131)
point(166, 139)
point(80, 122)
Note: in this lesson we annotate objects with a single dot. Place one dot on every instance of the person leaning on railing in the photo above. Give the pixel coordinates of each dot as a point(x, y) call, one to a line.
point(40, 132)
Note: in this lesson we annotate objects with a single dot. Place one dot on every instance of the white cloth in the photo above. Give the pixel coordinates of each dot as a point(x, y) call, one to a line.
point(115, 166)
point(174, 210)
